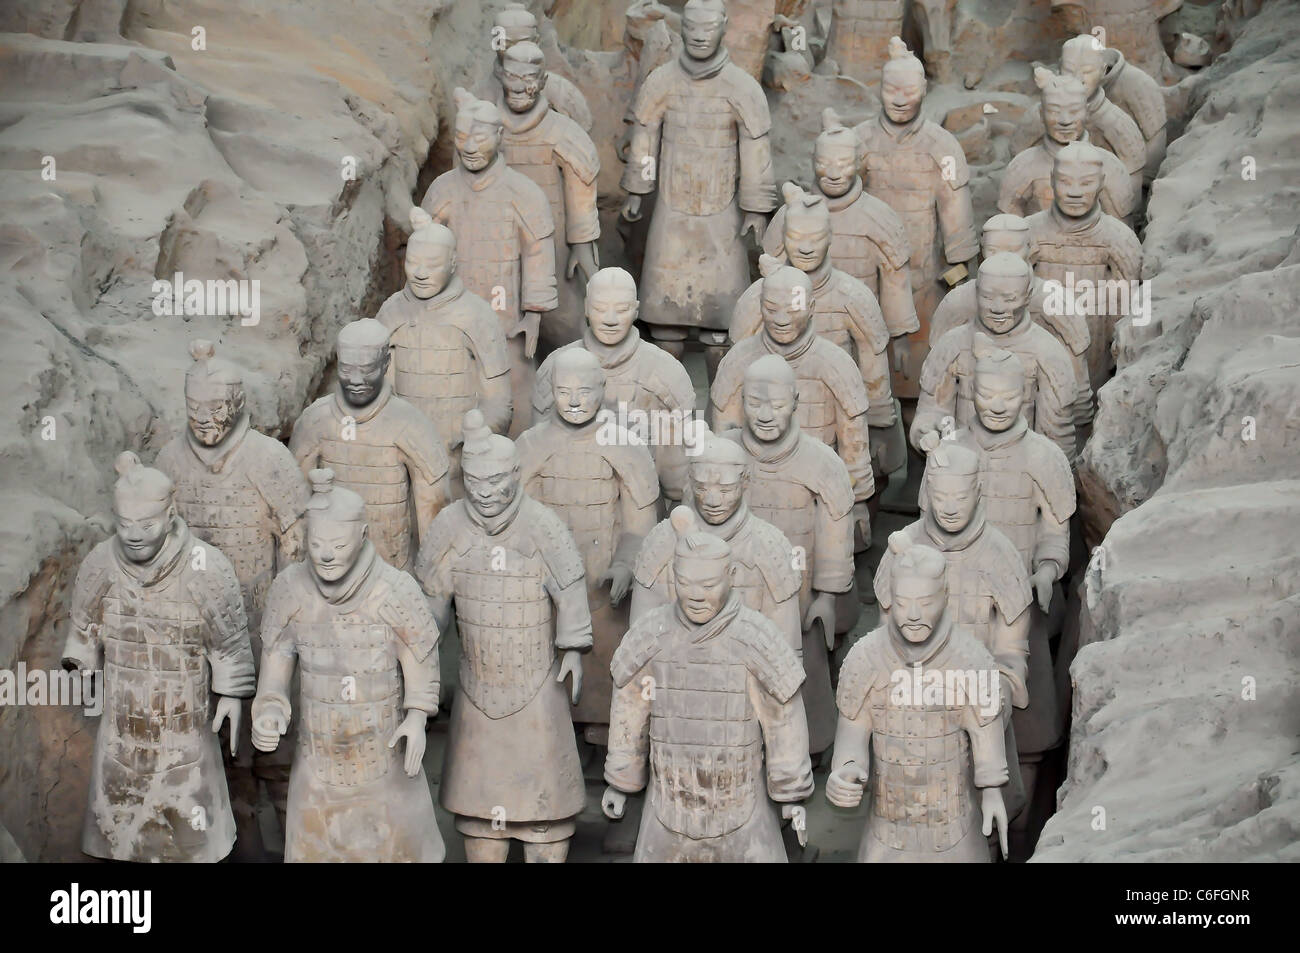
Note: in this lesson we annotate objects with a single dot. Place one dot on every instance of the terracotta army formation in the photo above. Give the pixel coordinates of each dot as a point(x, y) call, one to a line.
point(1126, 86)
point(601, 482)
point(378, 445)
point(1077, 244)
point(1109, 127)
point(1130, 26)
point(366, 647)
point(708, 717)
point(919, 169)
point(868, 240)
point(640, 378)
point(763, 572)
point(161, 613)
point(834, 405)
point(801, 487)
point(860, 34)
point(553, 151)
point(515, 577)
point(515, 23)
point(503, 227)
point(1003, 288)
point(925, 753)
point(1027, 182)
point(449, 352)
point(1010, 234)
point(701, 143)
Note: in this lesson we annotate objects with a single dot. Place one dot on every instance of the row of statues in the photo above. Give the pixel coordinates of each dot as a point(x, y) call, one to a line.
point(615, 568)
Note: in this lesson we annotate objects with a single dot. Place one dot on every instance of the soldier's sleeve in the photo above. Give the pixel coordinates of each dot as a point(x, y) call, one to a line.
point(775, 557)
point(565, 579)
point(832, 562)
point(84, 645)
point(626, 767)
point(568, 99)
point(281, 485)
point(1058, 392)
point(433, 564)
point(1119, 191)
point(938, 387)
point(853, 443)
point(417, 649)
point(1052, 544)
point(1013, 193)
point(747, 315)
point(785, 735)
point(304, 442)
point(676, 394)
point(857, 677)
point(215, 589)
point(543, 397)
point(493, 358)
point(882, 582)
point(638, 499)
point(1054, 497)
point(1012, 595)
point(956, 215)
point(757, 188)
point(774, 235)
point(947, 315)
point(1125, 253)
point(427, 466)
point(653, 565)
point(580, 165)
point(896, 301)
point(988, 748)
point(437, 199)
point(279, 651)
point(641, 174)
point(872, 339)
point(537, 282)
point(725, 403)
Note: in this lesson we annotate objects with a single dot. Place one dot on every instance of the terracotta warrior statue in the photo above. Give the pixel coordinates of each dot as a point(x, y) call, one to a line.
point(161, 613)
point(514, 24)
point(1109, 127)
point(914, 727)
point(514, 574)
point(868, 240)
point(860, 34)
point(763, 572)
point(1010, 234)
point(1127, 87)
point(1002, 287)
point(553, 151)
point(801, 487)
point(1130, 26)
point(918, 168)
point(1028, 492)
point(242, 492)
point(646, 389)
point(601, 482)
point(503, 226)
point(701, 142)
point(707, 714)
point(1027, 183)
point(377, 444)
point(366, 647)
point(1078, 243)
point(834, 405)
point(449, 352)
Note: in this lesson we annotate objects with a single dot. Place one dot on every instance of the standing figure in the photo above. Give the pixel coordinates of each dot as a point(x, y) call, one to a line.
point(366, 647)
point(1130, 26)
point(701, 141)
point(1129, 88)
point(918, 168)
point(161, 613)
point(242, 492)
point(646, 389)
point(1027, 182)
point(868, 240)
point(1109, 127)
point(1003, 288)
point(860, 33)
point(514, 573)
point(513, 24)
point(600, 480)
point(707, 715)
point(1079, 244)
point(503, 227)
point(802, 488)
point(449, 352)
point(925, 752)
point(377, 444)
point(553, 151)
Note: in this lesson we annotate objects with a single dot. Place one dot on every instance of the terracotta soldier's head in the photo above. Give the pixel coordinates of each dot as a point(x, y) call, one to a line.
point(214, 395)
point(1007, 233)
point(999, 381)
point(490, 465)
point(786, 299)
point(514, 23)
point(1077, 179)
point(612, 305)
point(1083, 56)
point(952, 481)
point(807, 235)
point(902, 83)
point(719, 477)
point(363, 354)
point(919, 589)
point(702, 569)
point(523, 76)
point(1064, 106)
point(336, 526)
point(640, 19)
point(1002, 290)
point(478, 131)
point(835, 156)
point(578, 385)
point(144, 508)
point(703, 24)
point(430, 255)
point(771, 398)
